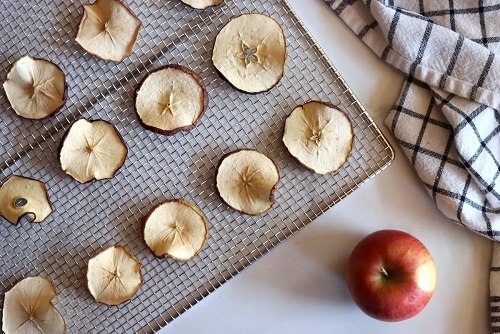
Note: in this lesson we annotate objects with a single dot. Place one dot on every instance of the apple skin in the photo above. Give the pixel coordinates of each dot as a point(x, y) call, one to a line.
point(391, 275)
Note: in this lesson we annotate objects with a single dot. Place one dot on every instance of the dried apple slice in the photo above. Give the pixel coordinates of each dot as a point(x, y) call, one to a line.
point(319, 135)
point(246, 181)
point(21, 196)
point(35, 88)
point(176, 229)
point(250, 52)
point(108, 30)
point(202, 4)
point(92, 150)
point(114, 276)
point(28, 308)
point(170, 99)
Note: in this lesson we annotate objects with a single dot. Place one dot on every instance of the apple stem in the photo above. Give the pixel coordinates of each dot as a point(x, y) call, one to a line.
point(384, 272)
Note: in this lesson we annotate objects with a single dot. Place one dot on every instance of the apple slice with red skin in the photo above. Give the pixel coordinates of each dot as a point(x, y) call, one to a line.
point(391, 275)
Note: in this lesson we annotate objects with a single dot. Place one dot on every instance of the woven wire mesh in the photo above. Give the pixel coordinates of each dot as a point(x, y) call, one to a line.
point(88, 218)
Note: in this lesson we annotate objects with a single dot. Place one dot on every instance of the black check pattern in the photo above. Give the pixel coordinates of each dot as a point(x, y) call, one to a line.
point(494, 291)
point(447, 117)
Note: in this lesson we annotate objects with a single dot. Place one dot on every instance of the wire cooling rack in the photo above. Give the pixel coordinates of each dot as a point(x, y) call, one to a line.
point(88, 218)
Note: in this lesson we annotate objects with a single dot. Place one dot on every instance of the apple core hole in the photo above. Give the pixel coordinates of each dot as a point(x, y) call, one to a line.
point(20, 202)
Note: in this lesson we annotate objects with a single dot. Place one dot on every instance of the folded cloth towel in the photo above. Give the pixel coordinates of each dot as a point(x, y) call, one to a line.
point(446, 118)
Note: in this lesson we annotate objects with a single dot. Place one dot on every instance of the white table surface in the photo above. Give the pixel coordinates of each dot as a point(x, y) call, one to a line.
point(299, 286)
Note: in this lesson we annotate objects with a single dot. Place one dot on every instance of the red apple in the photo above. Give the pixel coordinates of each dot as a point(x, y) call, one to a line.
point(391, 275)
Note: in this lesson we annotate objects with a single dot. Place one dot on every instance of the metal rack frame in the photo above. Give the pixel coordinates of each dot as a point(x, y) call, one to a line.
point(89, 218)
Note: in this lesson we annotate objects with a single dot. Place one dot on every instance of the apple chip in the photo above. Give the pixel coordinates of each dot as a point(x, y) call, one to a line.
point(319, 135)
point(108, 30)
point(175, 229)
point(21, 196)
point(28, 309)
point(35, 88)
point(114, 276)
point(92, 150)
point(202, 4)
point(170, 99)
point(246, 181)
point(250, 52)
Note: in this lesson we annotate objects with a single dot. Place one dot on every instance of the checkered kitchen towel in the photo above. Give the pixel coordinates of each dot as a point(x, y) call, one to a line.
point(447, 117)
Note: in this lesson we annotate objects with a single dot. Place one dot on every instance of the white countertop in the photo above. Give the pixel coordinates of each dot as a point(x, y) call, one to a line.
point(299, 286)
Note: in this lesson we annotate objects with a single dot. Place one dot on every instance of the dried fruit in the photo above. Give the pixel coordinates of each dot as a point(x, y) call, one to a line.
point(114, 276)
point(28, 309)
point(202, 4)
point(170, 99)
point(250, 52)
point(246, 181)
point(108, 30)
point(35, 88)
point(176, 229)
point(21, 196)
point(92, 150)
point(319, 135)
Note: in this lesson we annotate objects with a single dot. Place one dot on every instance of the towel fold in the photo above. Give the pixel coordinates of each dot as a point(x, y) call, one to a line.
point(446, 118)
